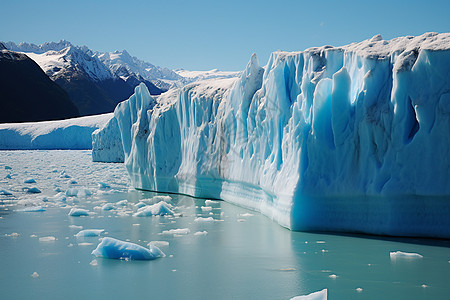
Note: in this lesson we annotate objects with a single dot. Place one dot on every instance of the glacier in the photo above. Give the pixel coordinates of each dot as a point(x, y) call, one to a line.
point(72, 134)
point(353, 138)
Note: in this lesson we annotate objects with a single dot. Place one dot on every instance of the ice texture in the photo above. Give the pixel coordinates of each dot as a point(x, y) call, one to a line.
point(116, 249)
point(351, 138)
point(407, 255)
point(78, 212)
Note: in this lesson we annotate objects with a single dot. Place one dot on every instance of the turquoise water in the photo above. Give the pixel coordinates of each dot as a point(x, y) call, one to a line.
point(244, 255)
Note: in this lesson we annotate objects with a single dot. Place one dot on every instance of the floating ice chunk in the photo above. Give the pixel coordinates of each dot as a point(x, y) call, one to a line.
point(179, 231)
point(158, 243)
point(204, 220)
point(32, 209)
point(359, 290)
point(63, 175)
point(210, 202)
point(108, 206)
point(75, 227)
point(59, 197)
point(246, 215)
point(103, 185)
point(333, 276)
point(320, 295)
point(32, 190)
point(5, 192)
point(35, 275)
point(116, 249)
point(47, 239)
point(140, 205)
point(8, 176)
point(406, 255)
point(206, 208)
point(72, 181)
point(201, 233)
point(122, 202)
point(29, 180)
point(14, 234)
point(78, 192)
point(78, 212)
point(90, 232)
point(85, 244)
point(94, 263)
point(159, 209)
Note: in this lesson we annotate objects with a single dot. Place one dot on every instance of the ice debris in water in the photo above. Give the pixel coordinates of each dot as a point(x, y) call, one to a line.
point(210, 202)
point(320, 295)
point(29, 180)
point(201, 233)
point(78, 192)
point(122, 202)
point(206, 208)
point(47, 239)
point(32, 209)
point(90, 232)
point(103, 185)
point(75, 227)
point(158, 243)
point(35, 275)
point(406, 255)
point(108, 206)
point(159, 209)
point(204, 220)
point(94, 263)
point(78, 212)
point(14, 234)
point(116, 249)
point(5, 192)
point(32, 190)
point(179, 231)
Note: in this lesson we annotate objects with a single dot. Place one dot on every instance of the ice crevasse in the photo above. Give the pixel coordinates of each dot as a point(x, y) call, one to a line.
point(353, 138)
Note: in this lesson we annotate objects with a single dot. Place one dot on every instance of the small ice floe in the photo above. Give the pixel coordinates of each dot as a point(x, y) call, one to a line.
point(210, 202)
point(103, 185)
point(94, 263)
point(89, 232)
point(29, 180)
point(85, 244)
point(61, 197)
point(31, 190)
point(179, 231)
point(404, 255)
point(206, 208)
point(63, 175)
point(13, 235)
point(116, 249)
point(47, 239)
point(75, 227)
point(140, 204)
point(241, 220)
point(245, 215)
point(8, 176)
point(122, 203)
point(5, 192)
point(33, 236)
point(158, 243)
point(359, 290)
point(108, 206)
point(32, 209)
point(333, 276)
point(8, 168)
point(35, 275)
point(161, 208)
point(424, 286)
point(78, 212)
point(199, 233)
point(72, 181)
point(204, 220)
point(78, 192)
point(320, 295)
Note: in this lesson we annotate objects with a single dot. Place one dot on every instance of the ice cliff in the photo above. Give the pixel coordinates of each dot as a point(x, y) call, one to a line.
point(352, 138)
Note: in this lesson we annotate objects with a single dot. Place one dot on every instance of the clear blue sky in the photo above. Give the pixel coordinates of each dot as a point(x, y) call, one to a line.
point(202, 35)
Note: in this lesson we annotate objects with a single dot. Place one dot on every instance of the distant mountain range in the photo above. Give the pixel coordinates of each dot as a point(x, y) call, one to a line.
point(95, 81)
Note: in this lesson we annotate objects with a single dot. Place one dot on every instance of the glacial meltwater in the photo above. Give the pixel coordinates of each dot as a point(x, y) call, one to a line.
point(212, 249)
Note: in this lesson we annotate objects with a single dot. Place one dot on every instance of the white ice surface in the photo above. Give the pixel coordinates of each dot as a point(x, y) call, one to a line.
point(320, 295)
point(64, 134)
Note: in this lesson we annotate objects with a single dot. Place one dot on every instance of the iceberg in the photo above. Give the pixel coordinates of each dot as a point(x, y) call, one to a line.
point(353, 138)
point(161, 208)
point(90, 232)
point(320, 295)
point(116, 249)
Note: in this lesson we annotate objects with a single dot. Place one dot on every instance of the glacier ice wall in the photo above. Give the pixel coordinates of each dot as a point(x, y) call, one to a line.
point(348, 138)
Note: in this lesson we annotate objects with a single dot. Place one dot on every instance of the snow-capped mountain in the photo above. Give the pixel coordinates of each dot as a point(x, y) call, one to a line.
point(191, 76)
